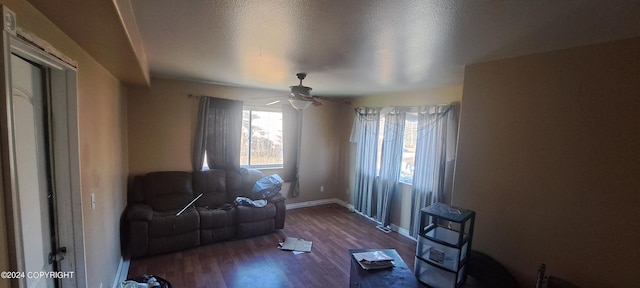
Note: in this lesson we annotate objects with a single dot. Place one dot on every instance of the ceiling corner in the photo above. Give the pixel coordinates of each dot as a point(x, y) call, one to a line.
point(104, 29)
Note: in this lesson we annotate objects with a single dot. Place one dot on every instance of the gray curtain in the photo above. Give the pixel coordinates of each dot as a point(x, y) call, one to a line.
point(390, 163)
point(200, 139)
point(365, 134)
point(435, 158)
point(292, 134)
point(219, 131)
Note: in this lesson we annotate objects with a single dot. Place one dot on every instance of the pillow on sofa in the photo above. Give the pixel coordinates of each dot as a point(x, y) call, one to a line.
point(267, 187)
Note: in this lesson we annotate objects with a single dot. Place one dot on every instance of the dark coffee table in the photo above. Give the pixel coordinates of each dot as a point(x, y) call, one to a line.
point(397, 276)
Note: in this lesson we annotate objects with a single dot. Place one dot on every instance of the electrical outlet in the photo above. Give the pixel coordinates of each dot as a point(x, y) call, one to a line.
point(321, 188)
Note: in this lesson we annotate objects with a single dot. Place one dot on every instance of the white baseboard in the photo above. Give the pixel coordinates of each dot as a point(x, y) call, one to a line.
point(402, 231)
point(122, 272)
point(316, 203)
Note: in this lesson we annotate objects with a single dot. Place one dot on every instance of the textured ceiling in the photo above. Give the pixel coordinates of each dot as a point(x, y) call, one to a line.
point(363, 46)
point(348, 47)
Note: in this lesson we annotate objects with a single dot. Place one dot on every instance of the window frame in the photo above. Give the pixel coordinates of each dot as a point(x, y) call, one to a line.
point(275, 109)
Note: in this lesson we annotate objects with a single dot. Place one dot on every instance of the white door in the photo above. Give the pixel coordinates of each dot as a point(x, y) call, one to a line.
point(35, 195)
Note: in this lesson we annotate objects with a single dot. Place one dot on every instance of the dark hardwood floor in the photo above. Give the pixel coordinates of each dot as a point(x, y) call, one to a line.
point(257, 262)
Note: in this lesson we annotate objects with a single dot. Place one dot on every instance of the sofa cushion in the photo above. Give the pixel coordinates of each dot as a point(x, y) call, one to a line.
point(248, 214)
point(213, 186)
point(167, 223)
point(215, 218)
point(167, 190)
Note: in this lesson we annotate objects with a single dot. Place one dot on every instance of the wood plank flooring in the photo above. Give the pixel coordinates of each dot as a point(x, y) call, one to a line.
point(257, 262)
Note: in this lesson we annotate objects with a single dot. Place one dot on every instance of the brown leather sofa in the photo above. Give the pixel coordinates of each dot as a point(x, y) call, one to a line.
point(155, 198)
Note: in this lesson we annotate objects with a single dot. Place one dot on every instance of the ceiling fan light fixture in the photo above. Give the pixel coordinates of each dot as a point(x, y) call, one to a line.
point(300, 97)
point(300, 104)
point(300, 90)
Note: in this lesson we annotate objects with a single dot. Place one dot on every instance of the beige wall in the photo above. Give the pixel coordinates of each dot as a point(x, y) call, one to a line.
point(103, 168)
point(401, 209)
point(162, 122)
point(548, 158)
point(102, 121)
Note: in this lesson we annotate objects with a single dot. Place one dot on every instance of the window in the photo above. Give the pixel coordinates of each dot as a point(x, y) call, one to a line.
point(261, 142)
point(408, 149)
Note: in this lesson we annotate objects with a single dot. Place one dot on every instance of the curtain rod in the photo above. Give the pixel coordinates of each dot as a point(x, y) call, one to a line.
point(212, 97)
point(409, 106)
point(200, 96)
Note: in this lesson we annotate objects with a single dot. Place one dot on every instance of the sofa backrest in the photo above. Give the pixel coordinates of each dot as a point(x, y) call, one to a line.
point(172, 190)
point(213, 186)
point(164, 191)
point(240, 183)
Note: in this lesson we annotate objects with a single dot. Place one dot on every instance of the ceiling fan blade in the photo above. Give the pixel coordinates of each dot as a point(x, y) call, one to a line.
point(334, 99)
point(264, 101)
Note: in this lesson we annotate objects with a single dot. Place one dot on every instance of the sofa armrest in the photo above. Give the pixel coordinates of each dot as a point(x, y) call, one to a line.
point(139, 212)
point(276, 198)
point(278, 201)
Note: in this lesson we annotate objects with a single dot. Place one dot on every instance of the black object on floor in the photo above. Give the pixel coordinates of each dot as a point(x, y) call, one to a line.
point(153, 280)
point(489, 272)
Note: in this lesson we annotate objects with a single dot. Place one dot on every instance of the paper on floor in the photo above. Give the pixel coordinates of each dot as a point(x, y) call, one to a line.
point(295, 244)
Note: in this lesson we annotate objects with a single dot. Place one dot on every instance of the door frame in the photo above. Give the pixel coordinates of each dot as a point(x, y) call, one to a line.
point(65, 156)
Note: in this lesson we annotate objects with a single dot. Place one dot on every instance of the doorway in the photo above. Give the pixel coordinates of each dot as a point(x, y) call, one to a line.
point(35, 193)
point(40, 166)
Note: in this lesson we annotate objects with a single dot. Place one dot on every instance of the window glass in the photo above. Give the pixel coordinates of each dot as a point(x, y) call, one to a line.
point(261, 142)
point(408, 149)
point(380, 138)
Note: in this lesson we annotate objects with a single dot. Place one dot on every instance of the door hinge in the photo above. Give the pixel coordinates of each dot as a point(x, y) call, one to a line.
point(58, 255)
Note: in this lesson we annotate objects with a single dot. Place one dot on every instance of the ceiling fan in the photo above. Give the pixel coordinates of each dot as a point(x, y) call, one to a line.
point(300, 96)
